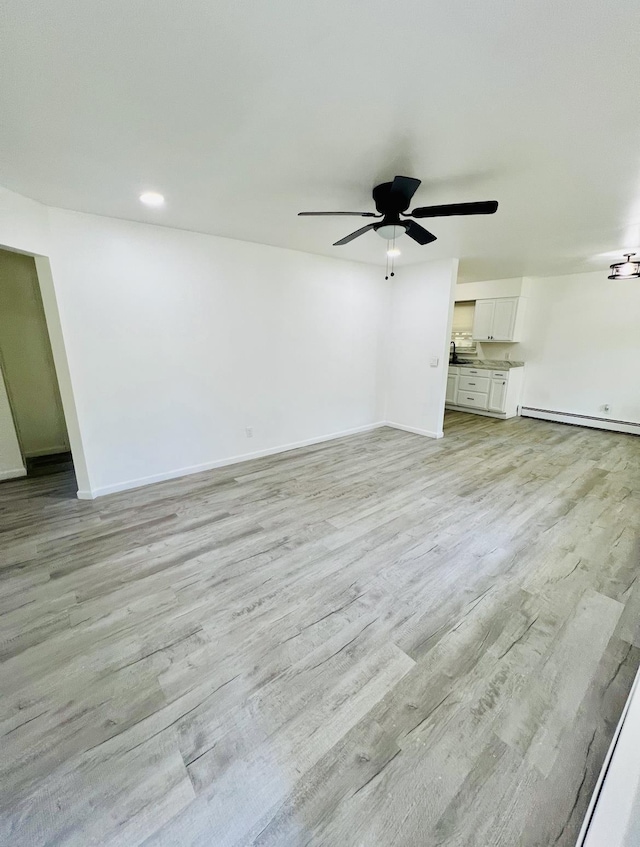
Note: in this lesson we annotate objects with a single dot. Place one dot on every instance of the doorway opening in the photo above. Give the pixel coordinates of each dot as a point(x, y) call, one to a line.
point(34, 438)
point(462, 349)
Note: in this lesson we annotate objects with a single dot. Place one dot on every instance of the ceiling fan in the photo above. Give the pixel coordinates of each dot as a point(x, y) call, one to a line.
point(392, 199)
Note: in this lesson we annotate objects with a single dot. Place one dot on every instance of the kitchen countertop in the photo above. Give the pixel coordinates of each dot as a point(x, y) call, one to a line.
point(490, 364)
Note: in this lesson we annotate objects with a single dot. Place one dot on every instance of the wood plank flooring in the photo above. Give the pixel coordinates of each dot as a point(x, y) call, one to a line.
point(382, 640)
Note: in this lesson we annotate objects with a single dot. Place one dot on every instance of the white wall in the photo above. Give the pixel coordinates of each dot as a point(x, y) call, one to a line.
point(11, 464)
point(26, 357)
point(168, 344)
point(24, 224)
point(420, 329)
point(582, 346)
point(178, 341)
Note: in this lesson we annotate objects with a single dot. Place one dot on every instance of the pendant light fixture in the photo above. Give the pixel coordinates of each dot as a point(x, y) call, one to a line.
point(629, 269)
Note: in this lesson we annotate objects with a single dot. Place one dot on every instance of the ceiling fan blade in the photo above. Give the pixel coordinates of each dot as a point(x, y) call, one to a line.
point(402, 190)
point(487, 207)
point(419, 233)
point(353, 235)
point(357, 214)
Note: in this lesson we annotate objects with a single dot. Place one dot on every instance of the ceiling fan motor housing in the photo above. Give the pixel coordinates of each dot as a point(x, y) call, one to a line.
point(390, 202)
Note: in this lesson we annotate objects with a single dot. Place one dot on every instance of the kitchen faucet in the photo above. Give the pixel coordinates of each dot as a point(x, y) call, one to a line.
point(452, 356)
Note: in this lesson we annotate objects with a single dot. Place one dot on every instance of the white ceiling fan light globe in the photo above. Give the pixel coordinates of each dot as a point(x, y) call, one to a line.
point(390, 231)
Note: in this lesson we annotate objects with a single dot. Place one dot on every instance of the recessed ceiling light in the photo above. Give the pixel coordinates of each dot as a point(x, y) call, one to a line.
point(152, 198)
point(393, 251)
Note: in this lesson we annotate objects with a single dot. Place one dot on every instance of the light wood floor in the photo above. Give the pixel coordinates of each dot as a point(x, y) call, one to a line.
point(383, 640)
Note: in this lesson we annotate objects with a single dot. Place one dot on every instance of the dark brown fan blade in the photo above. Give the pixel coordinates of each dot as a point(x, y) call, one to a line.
point(419, 233)
point(487, 207)
point(353, 235)
point(402, 190)
point(357, 214)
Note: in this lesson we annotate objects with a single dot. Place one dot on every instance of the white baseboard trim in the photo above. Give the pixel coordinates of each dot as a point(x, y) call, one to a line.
point(14, 473)
point(502, 416)
point(581, 420)
point(414, 429)
point(221, 463)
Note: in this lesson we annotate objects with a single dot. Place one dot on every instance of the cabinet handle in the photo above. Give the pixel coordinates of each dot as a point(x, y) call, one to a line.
point(472, 383)
point(469, 398)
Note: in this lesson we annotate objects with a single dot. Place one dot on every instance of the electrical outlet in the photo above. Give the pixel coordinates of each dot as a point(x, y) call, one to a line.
point(249, 431)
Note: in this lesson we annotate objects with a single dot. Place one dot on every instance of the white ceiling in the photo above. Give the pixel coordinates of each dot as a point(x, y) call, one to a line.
point(244, 113)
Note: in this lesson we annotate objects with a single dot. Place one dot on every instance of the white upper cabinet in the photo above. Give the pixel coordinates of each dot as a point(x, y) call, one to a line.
point(498, 320)
point(483, 319)
point(504, 319)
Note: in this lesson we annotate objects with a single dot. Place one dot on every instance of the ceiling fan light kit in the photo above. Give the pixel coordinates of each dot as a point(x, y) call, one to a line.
point(389, 231)
point(392, 199)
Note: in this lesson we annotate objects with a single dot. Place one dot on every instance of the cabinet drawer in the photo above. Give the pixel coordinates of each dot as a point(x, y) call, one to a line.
point(500, 374)
point(453, 371)
point(472, 398)
point(474, 383)
point(475, 372)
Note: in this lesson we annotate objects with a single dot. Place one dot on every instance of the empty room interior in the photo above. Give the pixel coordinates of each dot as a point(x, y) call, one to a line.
point(319, 424)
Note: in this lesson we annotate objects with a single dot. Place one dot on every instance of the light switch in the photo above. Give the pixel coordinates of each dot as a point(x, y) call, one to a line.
point(434, 361)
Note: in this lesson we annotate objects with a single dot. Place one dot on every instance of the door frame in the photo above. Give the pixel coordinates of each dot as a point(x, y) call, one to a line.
point(61, 367)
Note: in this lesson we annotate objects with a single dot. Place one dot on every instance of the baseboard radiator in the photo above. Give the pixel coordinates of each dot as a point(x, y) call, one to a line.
point(581, 420)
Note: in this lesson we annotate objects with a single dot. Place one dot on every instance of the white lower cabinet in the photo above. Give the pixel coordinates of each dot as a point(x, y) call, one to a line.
point(498, 395)
point(452, 387)
point(491, 392)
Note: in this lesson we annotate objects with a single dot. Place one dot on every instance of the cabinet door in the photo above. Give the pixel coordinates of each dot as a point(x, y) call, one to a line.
point(452, 388)
point(498, 395)
point(483, 319)
point(504, 319)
